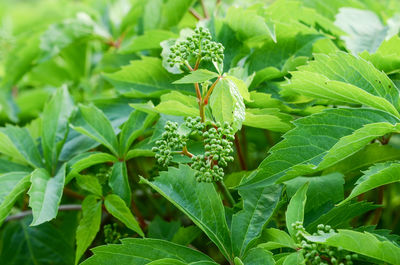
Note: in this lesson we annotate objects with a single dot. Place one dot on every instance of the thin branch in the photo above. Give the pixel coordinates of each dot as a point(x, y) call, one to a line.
point(186, 152)
point(239, 151)
point(73, 194)
point(203, 6)
point(65, 207)
point(210, 90)
point(378, 211)
point(138, 214)
point(226, 193)
point(195, 14)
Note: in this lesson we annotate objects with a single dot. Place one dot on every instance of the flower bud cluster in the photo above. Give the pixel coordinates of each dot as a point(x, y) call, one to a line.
point(170, 140)
point(319, 254)
point(199, 45)
point(218, 149)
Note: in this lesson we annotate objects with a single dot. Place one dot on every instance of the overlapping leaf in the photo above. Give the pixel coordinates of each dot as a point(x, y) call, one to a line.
point(304, 147)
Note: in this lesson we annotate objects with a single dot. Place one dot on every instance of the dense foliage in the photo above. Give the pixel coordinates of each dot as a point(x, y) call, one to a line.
point(205, 132)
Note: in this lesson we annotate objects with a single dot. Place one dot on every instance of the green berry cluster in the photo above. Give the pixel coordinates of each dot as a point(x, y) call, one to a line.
point(111, 235)
point(170, 140)
point(218, 149)
point(320, 254)
point(199, 45)
point(103, 174)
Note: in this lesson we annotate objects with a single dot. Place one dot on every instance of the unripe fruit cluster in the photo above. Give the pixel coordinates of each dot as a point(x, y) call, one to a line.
point(320, 254)
point(218, 147)
point(199, 45)
point(170, 140)
point(111, 235)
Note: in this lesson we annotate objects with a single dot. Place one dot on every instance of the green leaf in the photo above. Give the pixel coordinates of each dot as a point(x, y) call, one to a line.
point(116, 206)
point(377, 175)
point(227, 103)
point(97, 126)
point(172, 12)
point(344, 78)
point(198, 201)
point(151, 39)
point(371, 154)
point(198, 76)
point(90, 183)
point(119, 182)
point(88, 226)
point(134, 127)
point(247, 224)
point(12, 185)
point(145, 78)
point(356, 141)
point(269, 119)
point(167, 261)
point(387, 56)
point(322, 190)
point(294, 258)
point(17, 143)
point(45, 194)
point(295, 209)
point(35, 245)
point(241, 85)
point(63, 34)
point(276, 238)
point(257, 256)
point(55, 125)
point(142, 251)
point(304, 147)
point(86, 160)
point(365, 244)
point(250, 25)
point(178, 104)
point(364, 29)
point(293, 47)
point(341, 216)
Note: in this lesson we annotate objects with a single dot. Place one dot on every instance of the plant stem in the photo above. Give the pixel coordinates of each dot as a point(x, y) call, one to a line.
point(239, 151)
point(186, 152)
point(200, 101)
point(378, 211)
point(195, 14)
point(210, 90)
point(206, 15)
point(226, 193)
point(70, 193)
point(138, 214)
point(66, 207)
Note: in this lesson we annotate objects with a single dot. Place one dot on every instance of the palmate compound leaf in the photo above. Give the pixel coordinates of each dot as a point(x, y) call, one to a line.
point(143, 251)
point(12, 185)
point(377, 175)
point(199, 201)
point(198, 76)
point(247, 224)
point(343, 78)
point(305, 147)
point(45, 194)
point(362, 243)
